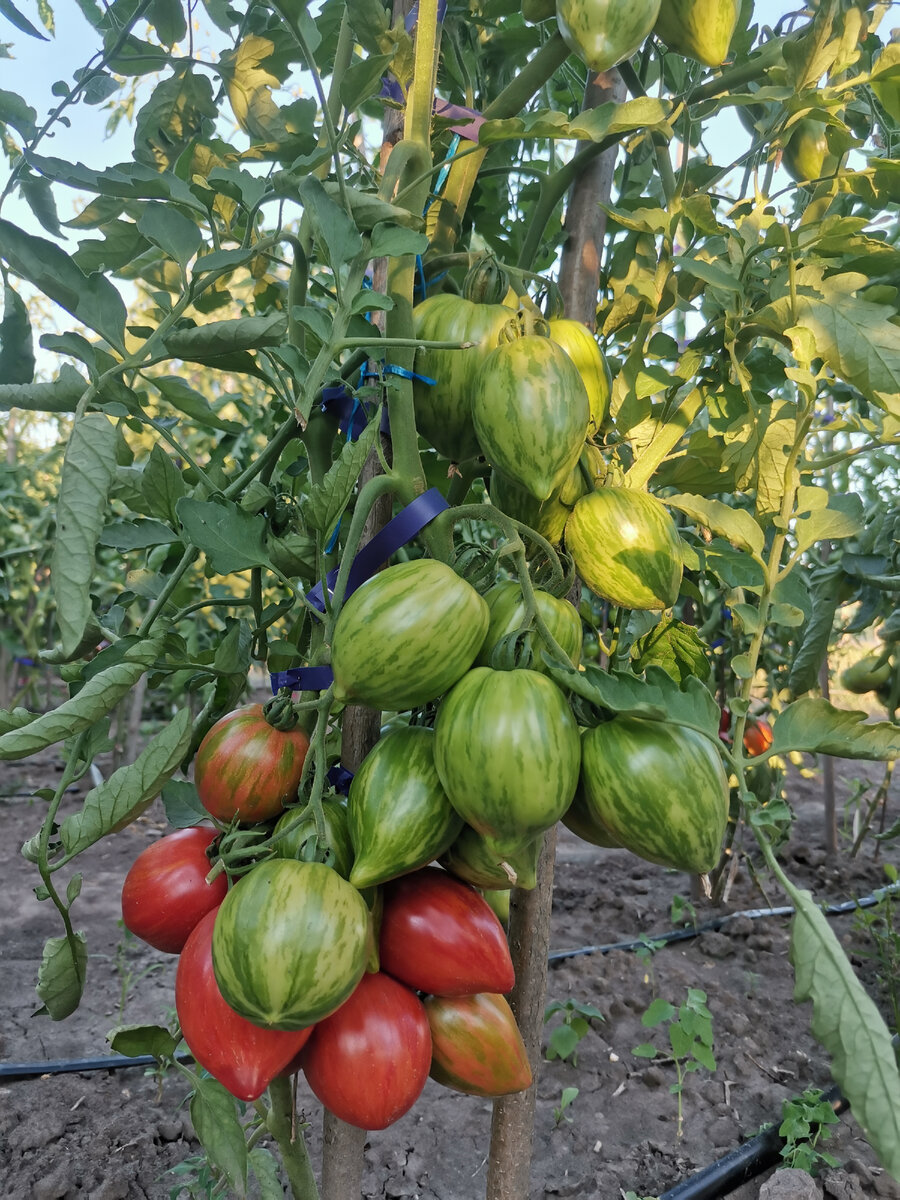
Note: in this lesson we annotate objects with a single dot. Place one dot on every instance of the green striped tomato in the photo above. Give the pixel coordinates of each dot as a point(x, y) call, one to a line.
point(476, 1045)
point(806, 154)
point(508, 752)
point(626, 548)
point(531, 412)
point(444, 408)
point(581, 346)
point(507, 608)
point(406, 636)
point(296, 828)
point(290, 943)
point(399, 815)
point(698, 29)
point(659, 789)
point(472, 858)
point(248, 769)
point(605, 32)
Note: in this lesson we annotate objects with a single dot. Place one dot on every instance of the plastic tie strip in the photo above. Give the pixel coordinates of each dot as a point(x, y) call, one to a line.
point(398, 531)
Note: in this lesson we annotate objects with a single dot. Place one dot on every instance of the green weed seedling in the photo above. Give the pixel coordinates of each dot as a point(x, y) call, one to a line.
point(682, 912)
point(804, 1123)
point(559, 1113)
point(645, 952)
point(690, 1038)
point(576, 1022)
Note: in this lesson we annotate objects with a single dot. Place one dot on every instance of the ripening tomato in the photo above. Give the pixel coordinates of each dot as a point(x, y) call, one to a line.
point(243, 1057)
point(368, 1062)
point(758, 737)
point(247, 768)
point(165, 893)
point(477, 1045)
point(438, 935)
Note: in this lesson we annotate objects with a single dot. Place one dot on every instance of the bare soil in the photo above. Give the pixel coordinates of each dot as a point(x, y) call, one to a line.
point(117, 1135)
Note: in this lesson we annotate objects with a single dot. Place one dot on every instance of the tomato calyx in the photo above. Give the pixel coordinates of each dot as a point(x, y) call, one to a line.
point(240, 849)
point(280, 713)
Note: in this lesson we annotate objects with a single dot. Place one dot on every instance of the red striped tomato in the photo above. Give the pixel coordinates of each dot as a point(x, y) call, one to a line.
point(247, 768)
point(477, 1047)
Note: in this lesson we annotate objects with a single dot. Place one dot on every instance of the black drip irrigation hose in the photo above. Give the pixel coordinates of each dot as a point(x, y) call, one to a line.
point(743, 1163)
point(716, 923)
point(16, 1072)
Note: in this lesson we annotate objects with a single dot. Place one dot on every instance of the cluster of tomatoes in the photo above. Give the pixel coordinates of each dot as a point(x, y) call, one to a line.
point(414, 987)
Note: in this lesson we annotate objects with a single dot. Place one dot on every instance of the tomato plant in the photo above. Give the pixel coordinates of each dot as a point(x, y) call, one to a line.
point(368, 1062)
point(165, 893)
point(246, 768)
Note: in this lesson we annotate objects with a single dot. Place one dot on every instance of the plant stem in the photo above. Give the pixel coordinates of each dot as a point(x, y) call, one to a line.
point(293, 1148)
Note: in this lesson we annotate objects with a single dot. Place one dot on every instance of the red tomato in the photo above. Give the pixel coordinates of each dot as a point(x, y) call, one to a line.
point(758, 737)
point(725, 725)
point(368, 1062)
point(247, 768)
point(165, 892)
point(244, 1057)
point(477, 1045)
point(439, 935)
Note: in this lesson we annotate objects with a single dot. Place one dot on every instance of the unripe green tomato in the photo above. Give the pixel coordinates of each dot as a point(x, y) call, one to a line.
point(605, 32)
point(507, 608)
point(866, 675)
point(698, 29)
point(806, 154)
point(581, 346)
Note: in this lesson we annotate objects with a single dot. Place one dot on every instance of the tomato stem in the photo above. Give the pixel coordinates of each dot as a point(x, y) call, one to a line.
point(293, 1149)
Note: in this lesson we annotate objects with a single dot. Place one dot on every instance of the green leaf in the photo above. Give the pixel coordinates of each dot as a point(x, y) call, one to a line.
point(656, 698)
point(174, 233)
point(217, 339)
point(265, 1170)
point(181, 108)
point(38, 194)
point(817, 727)
point(816, 633)
point(562, 1042)
point(363, 79)
point(15, 112)
point(645, 1050)
point(231, 538)
point(389, 240)
point(675, 647)
point(16, 342)
point(88, 471)
point(849, 1026)
point(709, 273)
point(167, 18)
point(734, 568)
point(219, 1130)
point(138, 534)
point(287, 131)
point(62, 396)
point(12, 14)
point(334, 228)
point(90, 298)
point(162, 485)
point(61, 975)
point(121, 243)
point(122, 798)
point(193, 404)
point(99, 695)
point(735, 524)
point(15, 718)
point(328, 499)
point(660, 1010)
point(830, 523)
point(182, 804)
point(135, 1040)
point(593, 125)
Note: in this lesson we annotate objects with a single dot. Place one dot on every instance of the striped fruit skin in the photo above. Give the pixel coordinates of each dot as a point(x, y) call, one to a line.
point(444, 409)
point(406, 636)
point(369, 1061)
point(605, 32)
point(581, 346)
point(247, 768)
point(508, 752)
point(507, 608)
point(244, 1058)
point(626, 548)
point(298, 827)
point(477, 1047)
point(439, 935)
point(399, 817)
point(806, 154)
point(698, 29)
point(584, 823)
point(548, 517)
point(531, 412)
point(472, 859)
point(660, 789)
point(290, 943)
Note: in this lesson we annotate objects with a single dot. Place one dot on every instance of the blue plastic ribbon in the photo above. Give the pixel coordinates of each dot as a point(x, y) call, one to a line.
point(407, 523)
point(391, 369)
point(302, 679)
point(340, 778)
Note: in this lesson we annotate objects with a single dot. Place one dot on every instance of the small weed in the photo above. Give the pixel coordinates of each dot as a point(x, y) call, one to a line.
point(682, 912)
point(804, 1122)
point(880, 927)
point(645, 952)
point(576, 1021)
point(690, 1038)
point(560, 1114)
